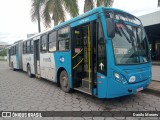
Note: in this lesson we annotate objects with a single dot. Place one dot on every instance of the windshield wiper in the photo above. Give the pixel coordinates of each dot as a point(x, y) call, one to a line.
point(129, 31)
point(125, 35)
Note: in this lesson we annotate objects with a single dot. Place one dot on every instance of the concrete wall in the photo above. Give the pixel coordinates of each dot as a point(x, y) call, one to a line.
point(150, 19)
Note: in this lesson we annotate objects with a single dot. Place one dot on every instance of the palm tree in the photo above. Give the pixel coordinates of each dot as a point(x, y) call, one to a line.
point(50, 10)
point(55, 10)
point(107, 3)
point(35, 12)
point(89, 4)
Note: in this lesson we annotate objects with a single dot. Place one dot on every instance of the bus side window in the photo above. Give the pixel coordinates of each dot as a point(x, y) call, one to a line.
point(63, 39)
point(28, 46)
point(31, 46)
point(24, 47)
point(44, 43)
point(14, 50)
point(101, 50)
point(11, 50)
point(52, 41)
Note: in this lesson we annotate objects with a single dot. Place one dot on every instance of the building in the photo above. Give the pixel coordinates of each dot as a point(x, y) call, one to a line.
point(151, 24)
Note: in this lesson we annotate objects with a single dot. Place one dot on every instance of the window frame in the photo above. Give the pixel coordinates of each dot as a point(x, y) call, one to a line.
point(52, 41)
point(41, 50)
point(28, 46)
point(31, 46)
point(69, 39)
point(24, 47)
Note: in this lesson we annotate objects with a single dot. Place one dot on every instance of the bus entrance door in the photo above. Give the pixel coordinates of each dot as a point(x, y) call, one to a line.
point(84, 58)
point(36, 57)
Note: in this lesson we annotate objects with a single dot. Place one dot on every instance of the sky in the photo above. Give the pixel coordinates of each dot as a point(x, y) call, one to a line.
point(15, 20)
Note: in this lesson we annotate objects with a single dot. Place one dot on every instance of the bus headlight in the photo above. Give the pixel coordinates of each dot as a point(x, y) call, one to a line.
point(119, 78)
point(116, 75)
point(132, 79)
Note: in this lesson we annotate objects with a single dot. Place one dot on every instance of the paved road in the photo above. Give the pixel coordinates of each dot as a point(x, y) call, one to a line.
point(20, 93)
point(155, 72)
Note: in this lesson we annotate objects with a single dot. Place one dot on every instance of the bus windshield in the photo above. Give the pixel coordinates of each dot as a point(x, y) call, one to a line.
point(130, 41)
point(130, 44)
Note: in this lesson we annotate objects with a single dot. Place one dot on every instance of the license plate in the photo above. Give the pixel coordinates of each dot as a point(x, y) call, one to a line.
point(139, 89)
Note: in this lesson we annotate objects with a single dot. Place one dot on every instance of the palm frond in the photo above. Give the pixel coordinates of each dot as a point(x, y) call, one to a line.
point(36, 9)
point(88, 5)
point(53, 10)
point(71, 6)
point(106, 3)
point(58, 13)
point(46, 15)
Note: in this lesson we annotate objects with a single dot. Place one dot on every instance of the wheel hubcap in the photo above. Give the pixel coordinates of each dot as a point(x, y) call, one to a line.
point(64, 81)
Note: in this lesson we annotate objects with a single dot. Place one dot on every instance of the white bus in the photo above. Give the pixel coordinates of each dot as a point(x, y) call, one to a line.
point(37, 60)
point(15, 55)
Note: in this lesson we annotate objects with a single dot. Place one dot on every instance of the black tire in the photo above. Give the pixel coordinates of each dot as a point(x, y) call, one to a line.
point(12, 66)
point(29, 71)
point(64, 81)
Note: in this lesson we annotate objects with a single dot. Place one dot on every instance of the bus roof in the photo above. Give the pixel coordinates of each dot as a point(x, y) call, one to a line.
point(93, 11)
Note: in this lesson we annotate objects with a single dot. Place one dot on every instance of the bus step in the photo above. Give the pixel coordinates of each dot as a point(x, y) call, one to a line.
point(38, 75)
point(84, 90)
point(85, 82)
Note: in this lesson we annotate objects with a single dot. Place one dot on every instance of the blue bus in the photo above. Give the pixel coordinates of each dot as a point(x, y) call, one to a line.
point(103, 52)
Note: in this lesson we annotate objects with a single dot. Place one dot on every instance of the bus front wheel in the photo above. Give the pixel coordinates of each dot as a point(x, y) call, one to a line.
point(64, 81)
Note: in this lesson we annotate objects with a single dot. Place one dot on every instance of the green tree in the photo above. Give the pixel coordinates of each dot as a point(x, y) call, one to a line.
point(3, 52)
point(90, 4)
point(50, 10)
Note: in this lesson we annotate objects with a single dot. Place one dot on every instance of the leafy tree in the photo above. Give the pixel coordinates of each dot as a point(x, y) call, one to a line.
point(3, 52)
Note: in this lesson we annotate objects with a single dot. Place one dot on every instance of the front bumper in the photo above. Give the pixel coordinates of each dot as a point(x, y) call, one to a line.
point(116, 89)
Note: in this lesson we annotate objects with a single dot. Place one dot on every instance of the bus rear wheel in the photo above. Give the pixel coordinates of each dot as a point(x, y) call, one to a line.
point(29, 71)
point(12, 66)
point(64, 81)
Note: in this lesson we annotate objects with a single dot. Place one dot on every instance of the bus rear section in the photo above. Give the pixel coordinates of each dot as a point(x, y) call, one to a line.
point(15, 56)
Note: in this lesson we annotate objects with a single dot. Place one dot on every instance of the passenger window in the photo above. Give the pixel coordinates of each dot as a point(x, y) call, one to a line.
point(63, 39)
point(24, 47)
point(31, 47)
point(44, 43)
point(28, 46)
point(14, 50)
point(52, 41)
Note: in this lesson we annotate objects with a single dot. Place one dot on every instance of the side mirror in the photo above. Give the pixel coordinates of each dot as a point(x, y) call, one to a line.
point(110, 27)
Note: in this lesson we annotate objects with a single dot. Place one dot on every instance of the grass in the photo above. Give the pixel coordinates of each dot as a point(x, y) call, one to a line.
point(2, 58)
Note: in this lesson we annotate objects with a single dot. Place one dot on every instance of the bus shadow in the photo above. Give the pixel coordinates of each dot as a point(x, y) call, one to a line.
point(107, 104)
point(110, 104)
